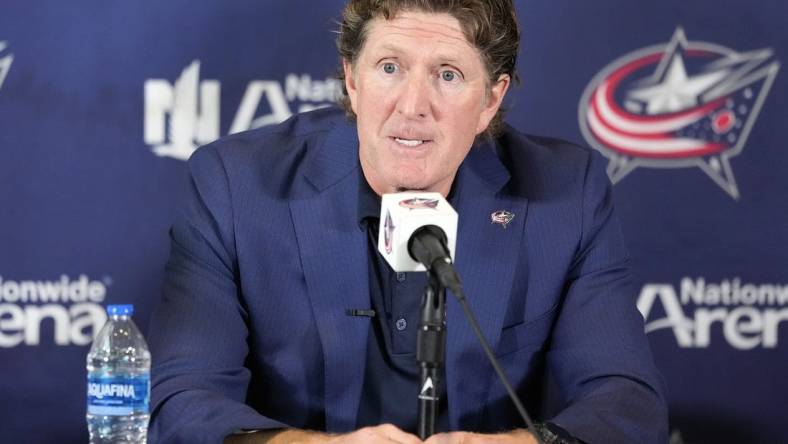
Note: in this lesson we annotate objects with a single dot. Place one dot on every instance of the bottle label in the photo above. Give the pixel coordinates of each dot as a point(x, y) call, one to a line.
point(118, 395)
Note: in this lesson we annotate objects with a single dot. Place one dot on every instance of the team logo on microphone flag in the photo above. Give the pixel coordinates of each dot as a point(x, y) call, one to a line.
point(681, 104)
point(388, 232)
point(419, 203)
point(401, 215)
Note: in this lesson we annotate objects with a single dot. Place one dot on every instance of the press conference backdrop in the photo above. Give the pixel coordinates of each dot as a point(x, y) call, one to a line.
point(102, 102)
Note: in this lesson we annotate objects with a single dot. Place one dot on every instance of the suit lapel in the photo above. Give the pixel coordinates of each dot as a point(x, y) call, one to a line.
point(334, 256)
point(486, 260)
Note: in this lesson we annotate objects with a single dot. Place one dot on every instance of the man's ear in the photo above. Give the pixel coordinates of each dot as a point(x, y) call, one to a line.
point(493, 103)
point(350, 83)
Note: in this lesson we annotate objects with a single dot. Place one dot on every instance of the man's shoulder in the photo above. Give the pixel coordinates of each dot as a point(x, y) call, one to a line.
point(303, 130)
point(272, 156)
point(540, 164)
point(547, 151)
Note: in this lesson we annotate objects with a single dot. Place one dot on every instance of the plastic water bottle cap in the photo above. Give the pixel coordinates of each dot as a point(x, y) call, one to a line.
point(120, 310)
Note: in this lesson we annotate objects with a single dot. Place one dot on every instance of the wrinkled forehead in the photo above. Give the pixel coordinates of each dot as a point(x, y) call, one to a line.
point(420, 24)
point(415, 30)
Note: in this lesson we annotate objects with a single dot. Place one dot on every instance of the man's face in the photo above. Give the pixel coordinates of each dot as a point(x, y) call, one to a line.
point(420, 93)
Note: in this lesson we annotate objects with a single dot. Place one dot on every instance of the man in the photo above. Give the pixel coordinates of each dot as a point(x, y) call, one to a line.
point(276, 244)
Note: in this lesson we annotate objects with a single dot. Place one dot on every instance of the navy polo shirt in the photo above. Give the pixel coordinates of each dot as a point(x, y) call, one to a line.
point(391, 379)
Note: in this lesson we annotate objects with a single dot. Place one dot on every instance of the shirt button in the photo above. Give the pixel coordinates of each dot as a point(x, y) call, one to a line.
point(401, 324)
point(401, 277)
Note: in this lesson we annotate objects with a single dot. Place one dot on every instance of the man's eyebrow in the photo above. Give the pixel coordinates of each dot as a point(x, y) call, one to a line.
point(442, 58)
point(390, 48)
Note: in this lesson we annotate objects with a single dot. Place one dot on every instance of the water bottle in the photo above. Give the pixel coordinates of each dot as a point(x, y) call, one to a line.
point(118, 381)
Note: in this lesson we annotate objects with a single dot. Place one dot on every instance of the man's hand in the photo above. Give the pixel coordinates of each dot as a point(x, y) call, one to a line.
point(386, 433)
point(515, 436)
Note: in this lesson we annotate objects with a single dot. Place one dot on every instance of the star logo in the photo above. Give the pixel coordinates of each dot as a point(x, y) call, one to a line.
point(676, 91)
point(681, 104)
point(5, 62)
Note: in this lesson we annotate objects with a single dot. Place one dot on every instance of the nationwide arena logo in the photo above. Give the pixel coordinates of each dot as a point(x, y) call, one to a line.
point(5, 62)
point(183, 115)
point(71, 308)
point(682, 104)
point(745, 315)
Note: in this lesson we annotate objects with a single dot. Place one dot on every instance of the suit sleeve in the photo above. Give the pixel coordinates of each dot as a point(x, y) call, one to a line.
point(599, 355)
point(198, 332)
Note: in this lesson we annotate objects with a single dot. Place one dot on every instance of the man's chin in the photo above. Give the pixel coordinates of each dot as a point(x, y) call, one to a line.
point(404, 189)
point(411, 184)
point(417, 183)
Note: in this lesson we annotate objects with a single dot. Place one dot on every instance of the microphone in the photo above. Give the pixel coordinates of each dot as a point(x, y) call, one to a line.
point(417, 230)
point(419, 233)
point(428, 246)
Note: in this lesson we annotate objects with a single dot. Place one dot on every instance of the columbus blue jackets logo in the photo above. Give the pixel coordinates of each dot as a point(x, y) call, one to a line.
point(417, 203)
point(388, 232)
point(501, 217)
point(676, 105)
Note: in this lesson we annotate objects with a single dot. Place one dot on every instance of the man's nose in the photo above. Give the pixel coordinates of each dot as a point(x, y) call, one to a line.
point(414, 100)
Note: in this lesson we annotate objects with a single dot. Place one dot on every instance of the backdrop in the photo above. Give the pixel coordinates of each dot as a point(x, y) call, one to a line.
point(101, 102)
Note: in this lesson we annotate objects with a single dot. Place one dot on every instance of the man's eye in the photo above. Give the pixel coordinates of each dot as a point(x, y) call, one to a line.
point(389, 68)
point(449, 76)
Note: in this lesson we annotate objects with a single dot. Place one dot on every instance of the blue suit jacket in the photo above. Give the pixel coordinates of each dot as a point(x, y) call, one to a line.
point(267, 256)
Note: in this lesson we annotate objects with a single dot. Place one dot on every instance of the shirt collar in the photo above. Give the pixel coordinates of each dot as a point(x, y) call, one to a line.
point(368, 203)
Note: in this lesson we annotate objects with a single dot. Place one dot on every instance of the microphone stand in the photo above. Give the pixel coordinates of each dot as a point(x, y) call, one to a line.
point(427, 245)
point(430, 353)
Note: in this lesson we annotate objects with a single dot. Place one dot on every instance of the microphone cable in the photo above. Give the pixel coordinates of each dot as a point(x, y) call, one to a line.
point(444, 271)
point(460, 295)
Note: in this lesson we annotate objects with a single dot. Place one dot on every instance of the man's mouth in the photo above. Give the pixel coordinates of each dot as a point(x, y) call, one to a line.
point(409, 142)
